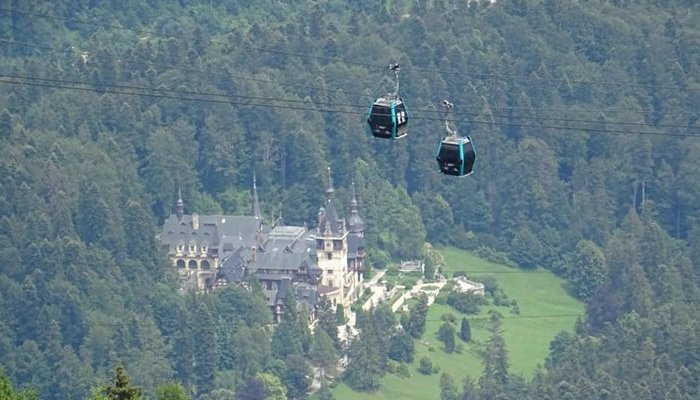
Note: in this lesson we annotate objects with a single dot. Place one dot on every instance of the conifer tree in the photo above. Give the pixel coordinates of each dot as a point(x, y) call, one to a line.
point(465, 331)
point(205, 349)
point(119, 389)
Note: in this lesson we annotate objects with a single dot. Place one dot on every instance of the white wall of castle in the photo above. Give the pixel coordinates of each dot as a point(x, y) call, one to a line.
point(194, 266)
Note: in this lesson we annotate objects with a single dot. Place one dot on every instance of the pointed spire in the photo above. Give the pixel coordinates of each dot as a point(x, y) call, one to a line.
point(179, 205)
point(355, 223)
point(256, 203)
point(331, 212)
point(329, 191)
point(353, 202)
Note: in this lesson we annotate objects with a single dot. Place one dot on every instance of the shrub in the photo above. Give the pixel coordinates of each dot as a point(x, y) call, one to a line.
point(403, 371)
point(425, 366)
point(467, 303)
point(448, 317)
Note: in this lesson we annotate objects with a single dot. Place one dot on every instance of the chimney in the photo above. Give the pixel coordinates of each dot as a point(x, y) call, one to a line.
point(195, 222)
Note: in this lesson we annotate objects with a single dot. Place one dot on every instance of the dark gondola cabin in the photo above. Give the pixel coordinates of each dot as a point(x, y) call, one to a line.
point(388, 119)
point(456, 156)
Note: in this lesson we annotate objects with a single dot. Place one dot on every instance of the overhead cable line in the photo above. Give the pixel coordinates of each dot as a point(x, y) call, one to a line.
point(177, 67)
point(331, 110)
point(227, 99)
point(176, 91)
point(301, 85)
point(339, 60)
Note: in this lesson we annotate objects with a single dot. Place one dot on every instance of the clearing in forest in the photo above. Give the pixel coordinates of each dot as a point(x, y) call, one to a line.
point(545, 309)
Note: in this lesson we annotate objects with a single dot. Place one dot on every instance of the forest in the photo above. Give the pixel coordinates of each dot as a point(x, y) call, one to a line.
point(585, 119)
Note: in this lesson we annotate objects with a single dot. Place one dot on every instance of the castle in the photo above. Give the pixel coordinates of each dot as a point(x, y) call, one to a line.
point(211, 251)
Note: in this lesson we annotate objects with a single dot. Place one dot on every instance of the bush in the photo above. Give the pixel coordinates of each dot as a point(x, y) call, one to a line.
point(494, 256)
point(425, 366)
point(401, 347)
point(447, 335)
point(448, 317)
point(403, 371)
point(391, 367)
point(467, 303)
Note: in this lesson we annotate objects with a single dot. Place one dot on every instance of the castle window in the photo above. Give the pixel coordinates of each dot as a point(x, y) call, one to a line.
point(205, 264)
point(192, 264)
point(329, 256)
point(319, 244)
point(180, 263)
point(337, 245)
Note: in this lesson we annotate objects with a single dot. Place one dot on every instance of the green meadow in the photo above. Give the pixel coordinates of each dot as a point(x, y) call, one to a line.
point(545, 309)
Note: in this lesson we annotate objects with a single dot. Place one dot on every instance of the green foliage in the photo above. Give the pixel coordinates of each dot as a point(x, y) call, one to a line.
point(447, 335)
point(425, 366)
point(323, 352)
point(171, 391)
point(297, 377)
point(401, 347)
point(588, 269)
point(205, 351)
point(465, 302)
point(465, 331)
point(340, 314)
point(7, 392)
point(119, 389)
point(448, 388)
point(415, 324)
point(87, 174)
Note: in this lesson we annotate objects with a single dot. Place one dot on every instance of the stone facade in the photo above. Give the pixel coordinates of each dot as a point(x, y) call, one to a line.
point(211, 251)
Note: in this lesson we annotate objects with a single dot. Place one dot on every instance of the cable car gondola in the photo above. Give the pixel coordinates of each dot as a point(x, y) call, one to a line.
point(455, 154)
point(387, 117)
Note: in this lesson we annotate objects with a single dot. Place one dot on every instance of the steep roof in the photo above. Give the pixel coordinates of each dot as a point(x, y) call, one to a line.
point(355, 243)
point(223, 232)
point(329, 220)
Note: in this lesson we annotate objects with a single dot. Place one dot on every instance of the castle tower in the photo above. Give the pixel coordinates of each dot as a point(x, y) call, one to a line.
point(356, 244)
point(255, 209)
point(332, 250)
point(179, 205)
point(355, 223)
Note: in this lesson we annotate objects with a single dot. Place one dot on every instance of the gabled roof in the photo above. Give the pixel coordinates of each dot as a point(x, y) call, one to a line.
point(223, 232)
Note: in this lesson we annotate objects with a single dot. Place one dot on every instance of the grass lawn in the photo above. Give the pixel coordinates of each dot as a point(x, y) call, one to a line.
point(545, 309)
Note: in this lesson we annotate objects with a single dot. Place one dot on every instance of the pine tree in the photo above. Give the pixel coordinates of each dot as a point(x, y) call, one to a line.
point(447, 335)
point(465, 331)
point(448, 388)
point(205, 349)
point(287, 339)
point(417, 317)
point(120, 388)
point(495, 375)
point(171, 391)
point(327, 321)
point(323, 352)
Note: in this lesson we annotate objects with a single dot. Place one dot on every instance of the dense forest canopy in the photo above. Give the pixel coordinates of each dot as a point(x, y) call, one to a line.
point(584, 114)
